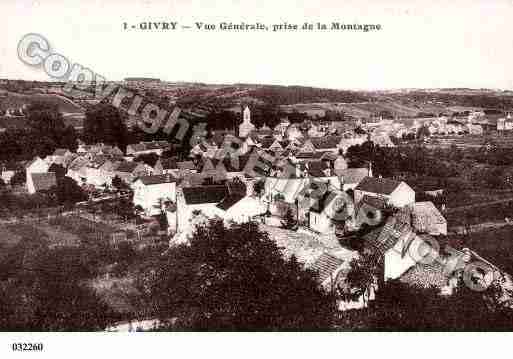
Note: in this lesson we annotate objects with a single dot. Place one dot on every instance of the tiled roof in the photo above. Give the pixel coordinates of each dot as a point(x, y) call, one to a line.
point(326, 142)
point(157, 179)
point(426, 211)
point(43, 181)
point(329, 156)
point(204, 194)
point(236, 192)
point(326, 265)
point(267, 142)
point(386, 237)
point(378, 203)
point(127, 167)
point(425, 275)
point(378, 185)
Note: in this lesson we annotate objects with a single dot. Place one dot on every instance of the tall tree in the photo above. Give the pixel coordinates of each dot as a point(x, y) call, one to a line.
point(235, 278)
point(105, 123)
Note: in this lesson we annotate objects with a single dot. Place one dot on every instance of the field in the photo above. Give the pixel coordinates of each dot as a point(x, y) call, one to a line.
point(16, 100)
point(366, 109)
point(80, 226)
point(8, 238)
point(495, 245)
point(54, 236)
point(478, 213)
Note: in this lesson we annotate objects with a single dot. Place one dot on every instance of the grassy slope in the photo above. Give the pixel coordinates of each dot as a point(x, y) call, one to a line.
point(17, 100)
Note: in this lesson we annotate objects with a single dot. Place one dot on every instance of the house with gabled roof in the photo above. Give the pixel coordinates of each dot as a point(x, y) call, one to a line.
point(152, 192)
point(9, 170)
point(328, 267)
point(307, 146)
point(37, 165)
point(424, 217)
point(99, 171)
point(165, 166)
point(395, 247)
point(331, 207)
point(293, 133)
point(128, 171)
point(77, 169)
point(327, 143)
point(213, 168)
point(271, 144)
point(282, 126)
point(396, 193)
point(59, 156)
point(198, 200)
point(37, 182)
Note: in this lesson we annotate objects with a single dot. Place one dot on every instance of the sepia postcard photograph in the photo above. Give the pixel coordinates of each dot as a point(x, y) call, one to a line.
point(199, 178)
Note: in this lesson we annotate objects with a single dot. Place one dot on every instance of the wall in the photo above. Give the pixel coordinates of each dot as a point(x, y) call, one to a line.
point(149, 196)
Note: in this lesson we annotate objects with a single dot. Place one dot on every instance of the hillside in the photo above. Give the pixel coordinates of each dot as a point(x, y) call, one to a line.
point(17, 100)
point(199, 100)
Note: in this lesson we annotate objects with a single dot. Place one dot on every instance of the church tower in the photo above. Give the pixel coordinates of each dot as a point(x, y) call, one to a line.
point(246, 117)
point(246, 127)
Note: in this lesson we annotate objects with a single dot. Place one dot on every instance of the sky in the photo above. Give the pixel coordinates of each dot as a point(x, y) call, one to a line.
point(423, 44)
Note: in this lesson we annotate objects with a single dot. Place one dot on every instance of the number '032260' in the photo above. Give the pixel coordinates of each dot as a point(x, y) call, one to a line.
point(27, 347)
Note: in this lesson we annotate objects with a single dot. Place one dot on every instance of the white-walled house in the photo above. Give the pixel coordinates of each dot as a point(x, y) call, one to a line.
point(8, 171)
point(100, 172)
point(151, 192)
point(40, 181)
point(232, 202)
point(59, 156)
point(77, 170)
point(129, 171)
point(37, 165)
point(395, 193)
point(192, 201)
point(424, 217)
point(398, 247)
point(334, 207)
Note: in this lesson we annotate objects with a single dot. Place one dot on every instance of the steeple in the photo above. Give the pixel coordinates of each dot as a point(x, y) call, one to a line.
point(246, 126)
point(246, 115)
